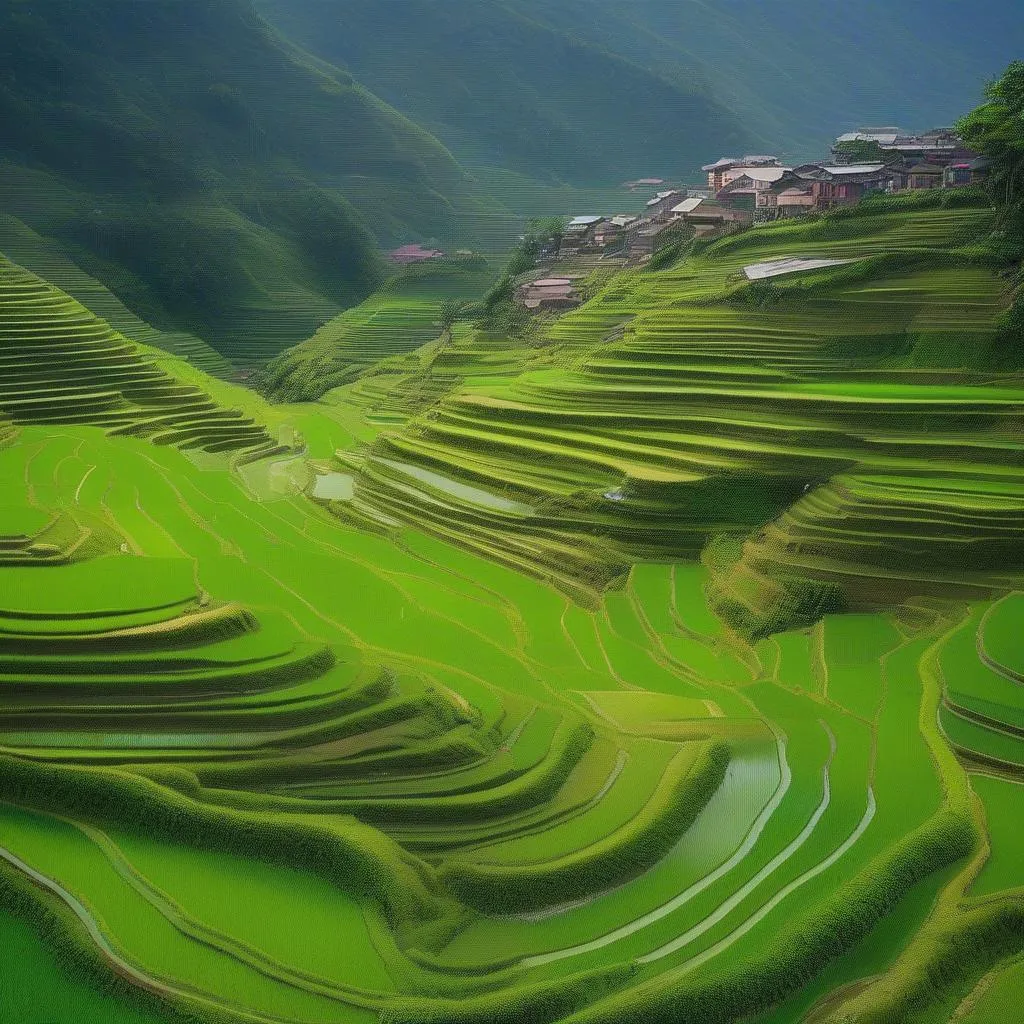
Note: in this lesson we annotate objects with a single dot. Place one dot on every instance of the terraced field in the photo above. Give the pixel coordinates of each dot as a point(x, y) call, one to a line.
point(401, 317)
point(25, 247)
point(686, 403)
point(63, 365)
point(269, 754)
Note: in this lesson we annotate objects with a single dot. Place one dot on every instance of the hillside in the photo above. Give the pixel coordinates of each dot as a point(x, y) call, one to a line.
point(404, 314)
point(346, 733)
point(198, 164)
point(687, 403)
point(599, 90)
point(798, 73)
point(505, 89)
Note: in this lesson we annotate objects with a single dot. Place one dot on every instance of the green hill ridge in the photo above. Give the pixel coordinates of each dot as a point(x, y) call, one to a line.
point(197, 163)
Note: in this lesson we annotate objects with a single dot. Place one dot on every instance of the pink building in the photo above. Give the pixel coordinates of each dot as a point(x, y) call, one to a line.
point(414, 254)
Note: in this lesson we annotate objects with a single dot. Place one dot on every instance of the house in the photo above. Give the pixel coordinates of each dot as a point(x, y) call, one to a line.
point(579, 233)
point(940, 146)
point(969, 172)
point(790, 196)
point(879, 136)
point(842, 184)
point(980, 168)
point(794, 202)
point(956, 175)
point(414, 254)
point(744, 191)
point(728, 168)
point(705, 215)
point(662, 202)
point(924, 175)
point(615, 232)
point(548, 293)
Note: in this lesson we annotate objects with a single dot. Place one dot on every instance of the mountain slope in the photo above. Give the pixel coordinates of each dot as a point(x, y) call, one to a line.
point(198, 163)
point(687, 403)
point(505, 88)
point(797, 73)
point(597, 90)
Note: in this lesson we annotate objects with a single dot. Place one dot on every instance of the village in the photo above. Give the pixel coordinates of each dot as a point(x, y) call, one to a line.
point(739, 192)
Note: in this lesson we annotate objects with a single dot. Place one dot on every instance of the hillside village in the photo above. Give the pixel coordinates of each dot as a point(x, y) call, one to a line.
point(739, 192)
point(757, 189)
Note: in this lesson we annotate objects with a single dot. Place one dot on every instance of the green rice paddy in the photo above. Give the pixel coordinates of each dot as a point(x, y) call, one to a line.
point(667, 669)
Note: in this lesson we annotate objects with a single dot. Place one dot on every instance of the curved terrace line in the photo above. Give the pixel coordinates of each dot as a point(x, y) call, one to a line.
point(644, 921)
point(117, 962)
point(759, 915)
point(727, 906)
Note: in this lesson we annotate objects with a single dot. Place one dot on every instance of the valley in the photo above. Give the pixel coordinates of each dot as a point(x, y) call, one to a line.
point(509, 622)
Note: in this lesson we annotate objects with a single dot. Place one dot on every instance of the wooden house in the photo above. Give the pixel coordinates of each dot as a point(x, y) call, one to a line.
point(704, 215)
point(548, 293)
point(842, 184)
point(615, 232)
point(579, 233)
point(655, 235)
point(745, 191)
point(787, 198)
point(924, 175)
point(658, 206)
point(728, 168)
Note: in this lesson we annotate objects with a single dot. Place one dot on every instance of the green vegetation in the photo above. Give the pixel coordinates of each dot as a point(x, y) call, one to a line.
point(509, 89)
point(595, 91)
point(657, 661)
point(836, 396)
point(419, 304)
point(212, 175)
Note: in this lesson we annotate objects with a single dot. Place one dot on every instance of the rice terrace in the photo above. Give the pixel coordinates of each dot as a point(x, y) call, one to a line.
point(447, 611)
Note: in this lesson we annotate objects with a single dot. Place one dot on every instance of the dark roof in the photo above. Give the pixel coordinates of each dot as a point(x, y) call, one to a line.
point(925, 169)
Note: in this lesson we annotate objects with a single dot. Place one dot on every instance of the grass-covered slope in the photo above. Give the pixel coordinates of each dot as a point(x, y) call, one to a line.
point(258, 763)
point(686, 402)
point(503, 88)
point(198, 164)
point(599, 90)
point(20, 244)
point(337, 778)
point(406, 312)
point(798, 74)
point(63, 365)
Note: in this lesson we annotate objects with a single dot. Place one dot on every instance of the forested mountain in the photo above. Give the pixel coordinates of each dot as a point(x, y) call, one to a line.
point(593, 90)
point(200, 163)
point(511, 84)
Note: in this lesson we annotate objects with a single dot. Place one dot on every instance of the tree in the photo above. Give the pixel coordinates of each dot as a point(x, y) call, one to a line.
point(996, 130)
point(451, 311)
